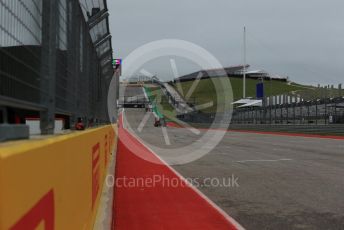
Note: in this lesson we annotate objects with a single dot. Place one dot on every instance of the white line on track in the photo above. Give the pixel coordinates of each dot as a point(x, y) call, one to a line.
point(167, 139)
point(143, 122)
point(243, 161)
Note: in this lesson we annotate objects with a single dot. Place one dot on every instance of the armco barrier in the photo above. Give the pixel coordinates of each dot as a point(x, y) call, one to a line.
point(54, 183)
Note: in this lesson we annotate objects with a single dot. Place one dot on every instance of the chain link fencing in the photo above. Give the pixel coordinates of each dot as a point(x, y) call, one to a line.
point(55, 61)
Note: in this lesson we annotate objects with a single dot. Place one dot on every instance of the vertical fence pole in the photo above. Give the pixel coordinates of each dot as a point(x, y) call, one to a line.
point(325, 115)
point(264, 110)
point(287, 107)
point(252, 115)
point(71, 8)
point(48, 63)
point(87, 76)
point(301, 118)
point(275, 108)
point(76, 36)
point(316, 112)
point(308, 113)
point(335, 111)
point(294, 110)
point(4, 114)
point(279, 110)
point(270, 105)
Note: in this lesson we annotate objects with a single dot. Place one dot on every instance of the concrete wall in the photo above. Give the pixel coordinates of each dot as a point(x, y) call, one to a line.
point(55, 182)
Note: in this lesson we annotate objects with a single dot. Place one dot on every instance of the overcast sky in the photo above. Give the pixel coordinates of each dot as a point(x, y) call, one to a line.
point(299, 38)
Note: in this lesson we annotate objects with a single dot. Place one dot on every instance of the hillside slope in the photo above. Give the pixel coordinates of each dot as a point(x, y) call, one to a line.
point(205, 91)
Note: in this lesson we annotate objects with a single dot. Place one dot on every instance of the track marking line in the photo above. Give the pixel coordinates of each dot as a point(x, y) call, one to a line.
point(143, 122)
point(243, 161)
point(167, 139)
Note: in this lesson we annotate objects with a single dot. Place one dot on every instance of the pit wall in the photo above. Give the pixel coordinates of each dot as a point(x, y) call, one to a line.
point(54, 183)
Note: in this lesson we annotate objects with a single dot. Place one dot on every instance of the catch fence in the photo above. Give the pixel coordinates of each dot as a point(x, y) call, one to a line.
point(55, 61)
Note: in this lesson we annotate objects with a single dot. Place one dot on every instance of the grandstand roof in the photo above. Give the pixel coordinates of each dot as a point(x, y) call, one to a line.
point(230, 71)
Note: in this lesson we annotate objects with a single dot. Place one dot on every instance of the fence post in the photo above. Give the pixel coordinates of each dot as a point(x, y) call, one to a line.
point(282, 108)
point(264, 109)
point(335, 111)
point(48, 78)
point(308, 112)
point(4, 114)
point(340, 90)
point(76, 36)
point(275, 107)
point(325, 103)
point(287, 107)
point(294, 108)
point(300, 110)
point(316, 112)
point(71, 63)
point(87, 76)
point(270, 105)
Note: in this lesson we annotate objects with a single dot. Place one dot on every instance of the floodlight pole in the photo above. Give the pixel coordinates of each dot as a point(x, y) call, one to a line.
point(244, 78)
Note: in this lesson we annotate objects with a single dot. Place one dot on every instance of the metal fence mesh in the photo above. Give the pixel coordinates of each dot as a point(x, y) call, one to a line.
point(20, 52)
point(55, 58)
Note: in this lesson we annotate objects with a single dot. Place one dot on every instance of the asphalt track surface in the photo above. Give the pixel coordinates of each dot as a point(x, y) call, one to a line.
point(156, 205)
point(285, 182)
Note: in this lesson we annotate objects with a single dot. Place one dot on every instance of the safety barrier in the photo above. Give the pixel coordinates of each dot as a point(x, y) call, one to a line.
point(54, 183)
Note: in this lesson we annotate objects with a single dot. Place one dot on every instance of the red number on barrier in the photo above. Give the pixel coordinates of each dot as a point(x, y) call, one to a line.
point(95, 172)
point(42, 211)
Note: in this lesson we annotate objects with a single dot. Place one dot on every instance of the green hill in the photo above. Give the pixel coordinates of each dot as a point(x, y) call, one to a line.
point(205, 90)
